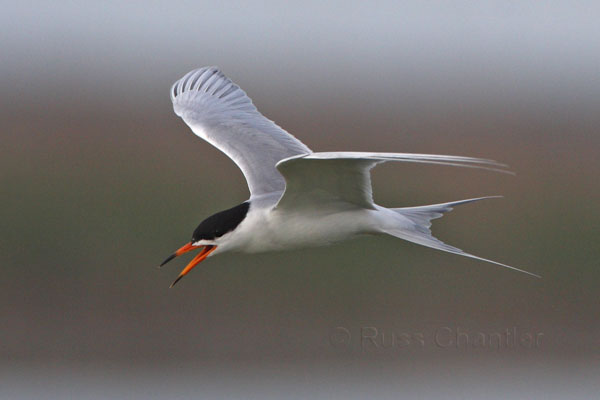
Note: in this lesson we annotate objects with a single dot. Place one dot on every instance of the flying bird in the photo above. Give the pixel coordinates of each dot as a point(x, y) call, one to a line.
point(298, 198)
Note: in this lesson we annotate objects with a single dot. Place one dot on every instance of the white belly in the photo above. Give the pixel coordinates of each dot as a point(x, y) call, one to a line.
point(263, 230)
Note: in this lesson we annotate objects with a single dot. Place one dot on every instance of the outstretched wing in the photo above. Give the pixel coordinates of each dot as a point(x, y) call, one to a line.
point(221, 113)
point(343, 179)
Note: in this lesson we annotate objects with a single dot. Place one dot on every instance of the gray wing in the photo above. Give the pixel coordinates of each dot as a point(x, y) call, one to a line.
point(221, 113)
point(343, 179)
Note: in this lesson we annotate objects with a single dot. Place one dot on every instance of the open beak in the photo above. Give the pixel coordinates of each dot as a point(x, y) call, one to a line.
point(195, 261)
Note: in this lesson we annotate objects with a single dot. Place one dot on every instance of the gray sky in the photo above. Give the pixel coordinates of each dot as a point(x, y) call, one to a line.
point(531, 50)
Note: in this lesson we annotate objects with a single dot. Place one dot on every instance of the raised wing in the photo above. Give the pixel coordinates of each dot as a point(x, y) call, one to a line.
point(221, 113)
point(343, 179)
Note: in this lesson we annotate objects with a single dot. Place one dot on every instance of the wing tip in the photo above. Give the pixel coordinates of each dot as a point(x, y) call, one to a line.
point(186, 81)
point(210, 83)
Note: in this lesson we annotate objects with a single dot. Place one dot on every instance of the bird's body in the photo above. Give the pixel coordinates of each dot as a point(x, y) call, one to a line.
point(265, 229)
point(298, 198)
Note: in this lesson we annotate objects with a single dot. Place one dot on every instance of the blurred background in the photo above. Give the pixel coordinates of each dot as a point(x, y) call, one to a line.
point(101, 181)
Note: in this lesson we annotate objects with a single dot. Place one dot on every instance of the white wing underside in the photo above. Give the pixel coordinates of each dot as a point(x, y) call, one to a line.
point(343, 179)
point(221, 113)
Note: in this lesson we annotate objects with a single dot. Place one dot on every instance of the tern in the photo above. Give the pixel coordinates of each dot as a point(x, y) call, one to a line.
point(298, 198)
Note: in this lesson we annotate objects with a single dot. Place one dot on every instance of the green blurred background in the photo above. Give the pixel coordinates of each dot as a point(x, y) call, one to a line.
point(101, 181)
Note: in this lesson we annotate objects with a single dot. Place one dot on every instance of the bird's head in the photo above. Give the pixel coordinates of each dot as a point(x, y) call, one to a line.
point(208, 235)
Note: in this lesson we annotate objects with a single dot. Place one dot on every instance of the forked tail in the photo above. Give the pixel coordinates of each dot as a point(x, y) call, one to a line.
point(417, 231)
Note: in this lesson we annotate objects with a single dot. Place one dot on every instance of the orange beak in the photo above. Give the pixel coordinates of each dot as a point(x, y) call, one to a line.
point(195, 261)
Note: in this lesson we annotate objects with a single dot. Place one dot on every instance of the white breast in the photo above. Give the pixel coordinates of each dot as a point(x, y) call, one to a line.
point(267, 230)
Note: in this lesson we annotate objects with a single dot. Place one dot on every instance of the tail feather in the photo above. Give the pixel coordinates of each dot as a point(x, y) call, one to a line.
point(420, 233)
